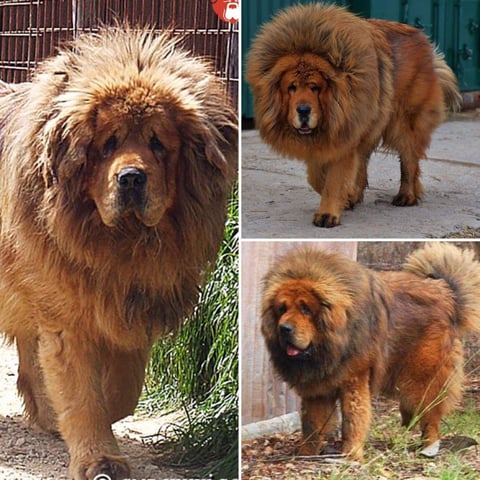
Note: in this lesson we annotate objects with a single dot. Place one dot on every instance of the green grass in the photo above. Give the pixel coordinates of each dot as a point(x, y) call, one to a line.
point(466, 421)
point(197, 371)
point(392, 448)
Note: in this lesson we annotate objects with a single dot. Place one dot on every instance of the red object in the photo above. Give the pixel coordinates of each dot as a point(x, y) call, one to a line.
point(228, 11)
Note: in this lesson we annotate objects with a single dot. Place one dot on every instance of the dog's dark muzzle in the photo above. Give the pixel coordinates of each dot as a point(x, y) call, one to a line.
point(304, 111)
point(287, 340)
point(132, 186)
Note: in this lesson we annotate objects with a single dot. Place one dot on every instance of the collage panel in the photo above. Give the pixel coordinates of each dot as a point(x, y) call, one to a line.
point(360, 119)
point(360, 359)
point(119, 239)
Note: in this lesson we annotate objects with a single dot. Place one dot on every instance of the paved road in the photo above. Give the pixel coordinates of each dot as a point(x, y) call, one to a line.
point(277, 201)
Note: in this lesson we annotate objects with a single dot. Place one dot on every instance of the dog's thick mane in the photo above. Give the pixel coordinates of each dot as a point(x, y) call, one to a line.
point(47, 126)
point(350, 44)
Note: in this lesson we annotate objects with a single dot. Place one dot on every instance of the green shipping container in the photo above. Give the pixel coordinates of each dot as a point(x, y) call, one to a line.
point(453, 25)
point(462, 41)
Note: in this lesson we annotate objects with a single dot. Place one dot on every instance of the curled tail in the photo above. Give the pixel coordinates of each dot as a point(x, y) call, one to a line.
point(448, 82)
point(462, 273)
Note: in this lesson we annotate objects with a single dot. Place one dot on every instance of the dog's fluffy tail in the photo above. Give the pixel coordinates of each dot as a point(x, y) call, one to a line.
point(448, 82)
point(462, 273)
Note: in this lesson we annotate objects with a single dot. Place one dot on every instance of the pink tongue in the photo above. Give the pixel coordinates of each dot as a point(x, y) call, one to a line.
point(292, 351)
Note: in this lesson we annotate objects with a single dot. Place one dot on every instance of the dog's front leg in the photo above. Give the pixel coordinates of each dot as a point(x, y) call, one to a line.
point(74, 384)
point(356, 409)
point(338, 180)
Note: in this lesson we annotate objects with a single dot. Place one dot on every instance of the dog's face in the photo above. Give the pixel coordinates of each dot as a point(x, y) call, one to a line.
point(133, 163)
point(302, 319)
point(304, 90)
point(301, 96)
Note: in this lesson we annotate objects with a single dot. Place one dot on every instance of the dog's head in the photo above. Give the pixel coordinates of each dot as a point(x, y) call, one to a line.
point(303, 321)
point(320, 310)
point(298, 92)
point(137, 128)
point(298, 311)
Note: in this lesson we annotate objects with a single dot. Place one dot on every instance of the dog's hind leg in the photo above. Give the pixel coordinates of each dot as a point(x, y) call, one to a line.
point(411, 188)
point(30, 384)
point(411, 135)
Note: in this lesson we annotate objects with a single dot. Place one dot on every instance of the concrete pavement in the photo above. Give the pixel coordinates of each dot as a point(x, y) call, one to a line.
point(277, 201)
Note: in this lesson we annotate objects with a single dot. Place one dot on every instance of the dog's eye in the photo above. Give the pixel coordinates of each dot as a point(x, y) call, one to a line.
point(110, 145)
point(292, 88)
point(281, 309)
point(315, 88)
point(156, 145)
point(305, 310)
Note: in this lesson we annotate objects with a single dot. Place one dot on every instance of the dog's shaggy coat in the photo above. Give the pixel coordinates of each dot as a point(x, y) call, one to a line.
point(339, 332)
point(329, 87)
point(116, 162)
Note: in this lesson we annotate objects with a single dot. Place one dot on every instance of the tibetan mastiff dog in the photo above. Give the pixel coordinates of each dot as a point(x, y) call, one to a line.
point(329, 87)
point(339, 333)
point(116, 162)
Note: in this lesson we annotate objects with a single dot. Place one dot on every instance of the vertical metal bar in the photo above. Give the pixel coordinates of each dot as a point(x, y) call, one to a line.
point(30, 38)
point(9, 43)
point(74, 17)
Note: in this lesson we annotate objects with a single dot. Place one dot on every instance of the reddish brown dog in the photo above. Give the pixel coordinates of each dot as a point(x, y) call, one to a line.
point(339, 333)
point(329, 87)
point(116, 163)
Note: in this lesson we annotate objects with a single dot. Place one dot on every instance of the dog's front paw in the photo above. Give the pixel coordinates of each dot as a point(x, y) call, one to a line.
point(405, 200)
point(104, 468)
point(326, 220)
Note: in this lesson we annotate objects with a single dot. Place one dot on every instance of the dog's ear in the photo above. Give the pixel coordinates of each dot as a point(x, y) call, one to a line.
point(222, 147)
point(269, 98)
point(64, 153)
point(210, 145)
point(65, 135)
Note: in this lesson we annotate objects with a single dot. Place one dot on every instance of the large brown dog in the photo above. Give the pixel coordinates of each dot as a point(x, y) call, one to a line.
point(337, 331)
point(329, 87)
point(116, 163)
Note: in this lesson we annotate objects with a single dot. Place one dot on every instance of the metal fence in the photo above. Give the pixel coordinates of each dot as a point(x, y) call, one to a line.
point(31, 30)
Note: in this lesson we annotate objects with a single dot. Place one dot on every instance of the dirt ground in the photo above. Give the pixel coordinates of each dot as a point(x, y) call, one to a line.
point(274, 456)
point(29, 455)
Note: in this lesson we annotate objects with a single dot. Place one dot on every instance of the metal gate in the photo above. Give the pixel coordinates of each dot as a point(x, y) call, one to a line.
point(30, 30)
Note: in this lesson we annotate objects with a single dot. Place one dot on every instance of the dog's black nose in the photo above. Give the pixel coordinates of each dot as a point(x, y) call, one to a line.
point(131, 178)
point(286, 329)
point(304, 110)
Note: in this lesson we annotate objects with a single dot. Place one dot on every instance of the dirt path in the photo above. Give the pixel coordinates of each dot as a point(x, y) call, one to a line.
point(29, 455)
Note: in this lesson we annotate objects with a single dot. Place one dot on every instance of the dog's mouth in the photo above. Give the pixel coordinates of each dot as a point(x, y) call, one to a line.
point(296, 353)
point(304, 129)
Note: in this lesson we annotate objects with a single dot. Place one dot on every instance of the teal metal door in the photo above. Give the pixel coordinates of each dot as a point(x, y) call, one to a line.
point(453, 25)
point(465, 39)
